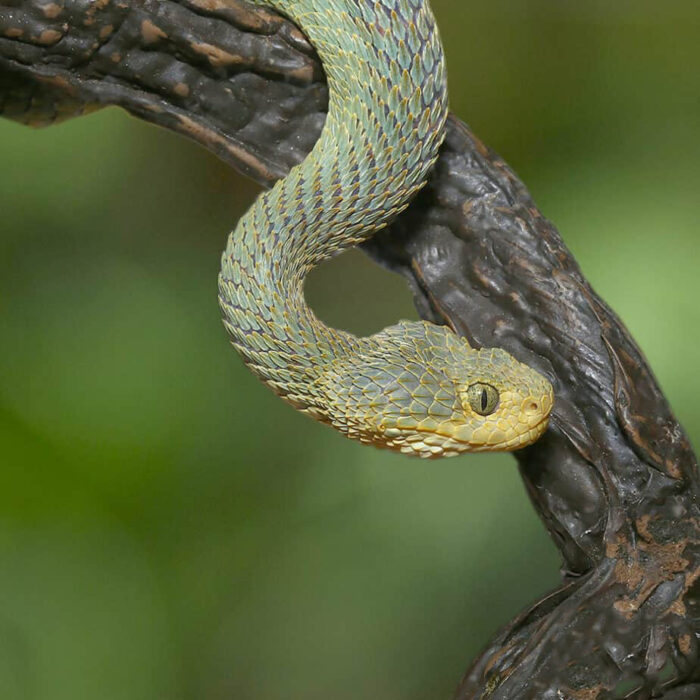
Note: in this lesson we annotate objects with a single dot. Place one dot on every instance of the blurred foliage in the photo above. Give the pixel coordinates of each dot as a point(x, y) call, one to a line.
point(168, 528)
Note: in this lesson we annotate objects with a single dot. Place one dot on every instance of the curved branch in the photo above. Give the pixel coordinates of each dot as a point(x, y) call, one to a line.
point(614, 479)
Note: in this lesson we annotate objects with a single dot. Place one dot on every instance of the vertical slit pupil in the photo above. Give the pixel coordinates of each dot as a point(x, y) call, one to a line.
point(484, 399)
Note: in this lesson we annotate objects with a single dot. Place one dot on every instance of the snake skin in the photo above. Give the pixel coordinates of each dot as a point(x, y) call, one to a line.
point(409, 387)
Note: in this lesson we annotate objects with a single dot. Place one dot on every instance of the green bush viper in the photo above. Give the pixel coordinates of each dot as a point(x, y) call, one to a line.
point(413, 387)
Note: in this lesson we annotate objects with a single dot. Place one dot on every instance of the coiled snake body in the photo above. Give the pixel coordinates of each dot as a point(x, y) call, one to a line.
point(413, 387)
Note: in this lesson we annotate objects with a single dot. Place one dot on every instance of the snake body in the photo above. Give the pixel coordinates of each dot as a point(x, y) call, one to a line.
point(413, 387)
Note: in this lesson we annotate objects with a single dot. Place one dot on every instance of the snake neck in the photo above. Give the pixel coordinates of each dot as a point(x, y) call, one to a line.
point(385, 123)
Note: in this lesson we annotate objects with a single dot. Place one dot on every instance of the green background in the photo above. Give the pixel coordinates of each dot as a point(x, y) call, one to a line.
point(168, 528)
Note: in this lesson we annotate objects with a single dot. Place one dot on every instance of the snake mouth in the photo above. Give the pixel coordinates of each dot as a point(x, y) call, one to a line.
point(533, 434)
point(452, 444)
point(433, 443)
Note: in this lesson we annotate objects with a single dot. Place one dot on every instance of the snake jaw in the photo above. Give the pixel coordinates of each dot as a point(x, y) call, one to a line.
point(447, 442)
point(452, 439)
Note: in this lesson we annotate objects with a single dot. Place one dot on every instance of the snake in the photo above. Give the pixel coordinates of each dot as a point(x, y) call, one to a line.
point(414, 387)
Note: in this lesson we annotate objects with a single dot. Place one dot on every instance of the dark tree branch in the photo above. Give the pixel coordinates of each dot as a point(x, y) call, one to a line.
point(614, 479)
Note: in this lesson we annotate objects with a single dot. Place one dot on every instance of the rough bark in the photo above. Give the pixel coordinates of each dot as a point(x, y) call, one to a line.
point(614, 479)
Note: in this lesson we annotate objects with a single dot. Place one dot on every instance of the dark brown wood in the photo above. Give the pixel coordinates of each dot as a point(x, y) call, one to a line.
point(614, 479)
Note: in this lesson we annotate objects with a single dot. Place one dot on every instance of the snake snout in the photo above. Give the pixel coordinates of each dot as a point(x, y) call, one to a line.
point(537, 407)
point(534, 415)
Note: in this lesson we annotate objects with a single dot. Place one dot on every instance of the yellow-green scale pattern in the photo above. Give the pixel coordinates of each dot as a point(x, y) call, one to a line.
point(413, 387)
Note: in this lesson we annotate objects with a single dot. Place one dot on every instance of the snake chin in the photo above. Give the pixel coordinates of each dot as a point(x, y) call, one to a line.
point(432, 395)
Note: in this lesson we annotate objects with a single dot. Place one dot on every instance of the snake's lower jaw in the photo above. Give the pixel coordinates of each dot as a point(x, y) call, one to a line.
point(454, 441)
point(532, 435)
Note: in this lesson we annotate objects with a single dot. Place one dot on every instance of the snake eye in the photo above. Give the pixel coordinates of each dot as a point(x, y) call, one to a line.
point(483, 398)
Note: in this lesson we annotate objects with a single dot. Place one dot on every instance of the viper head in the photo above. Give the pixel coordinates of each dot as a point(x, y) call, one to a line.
point(420, 389)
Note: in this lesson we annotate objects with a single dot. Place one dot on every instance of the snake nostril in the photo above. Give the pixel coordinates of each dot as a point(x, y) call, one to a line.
point(533, 407)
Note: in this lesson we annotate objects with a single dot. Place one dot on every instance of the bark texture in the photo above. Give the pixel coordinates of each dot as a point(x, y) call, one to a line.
point(614, 479)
